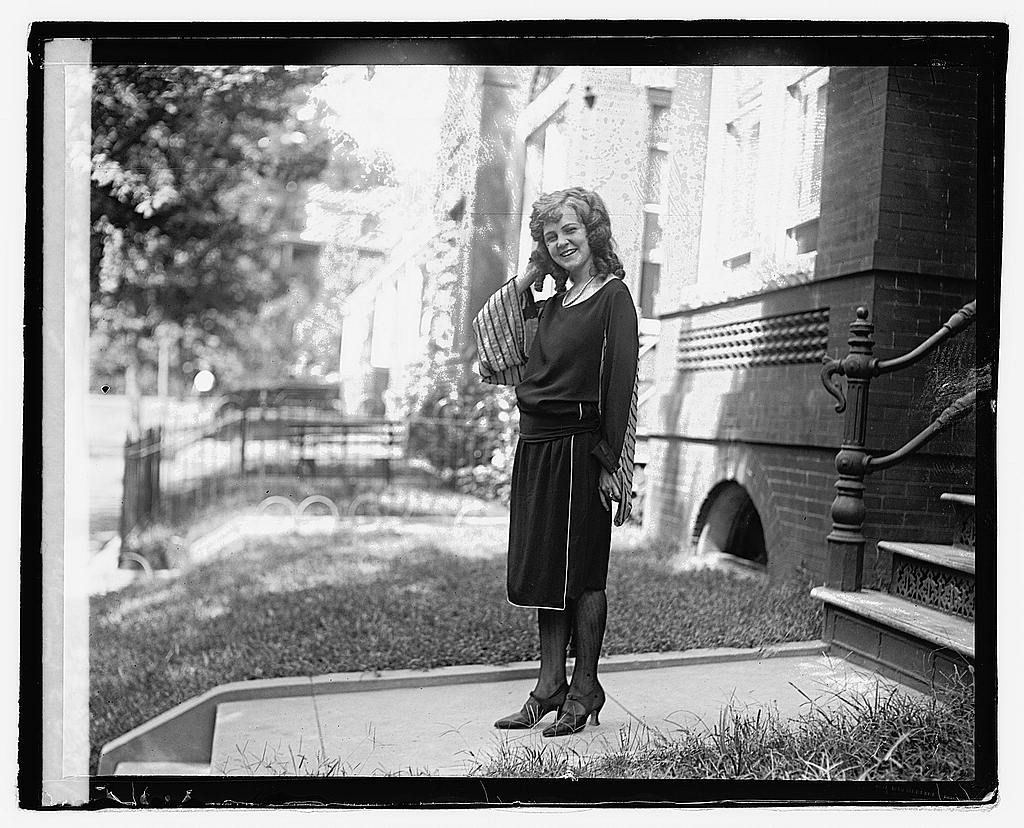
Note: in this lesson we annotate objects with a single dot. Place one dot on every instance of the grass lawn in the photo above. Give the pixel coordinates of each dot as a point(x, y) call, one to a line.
point(384, 598)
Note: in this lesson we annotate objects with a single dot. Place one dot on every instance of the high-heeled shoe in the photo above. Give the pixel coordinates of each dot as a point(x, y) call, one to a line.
point(572, 718)
point(534, 710)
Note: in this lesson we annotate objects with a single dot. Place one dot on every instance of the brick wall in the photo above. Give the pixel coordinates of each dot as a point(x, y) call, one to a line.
point(927, 211)
point(851, 178)
point(907, 309)
point(607, 149)
point(784, 404)
point(899, 177)
point(718, 425)
point(792, 495)
point(793, 491)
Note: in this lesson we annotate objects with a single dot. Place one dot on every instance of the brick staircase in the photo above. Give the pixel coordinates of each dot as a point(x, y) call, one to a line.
point(921, 631)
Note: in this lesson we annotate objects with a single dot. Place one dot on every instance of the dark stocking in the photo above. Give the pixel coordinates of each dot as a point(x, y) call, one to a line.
point(588, 633)
point(554, 628)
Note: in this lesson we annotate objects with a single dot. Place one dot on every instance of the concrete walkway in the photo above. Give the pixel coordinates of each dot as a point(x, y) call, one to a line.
point(442, 722)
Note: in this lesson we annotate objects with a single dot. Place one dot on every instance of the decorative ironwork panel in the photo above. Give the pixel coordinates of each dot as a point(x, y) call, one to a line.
point(934, 586)
point(778, 340)
point(965, 527)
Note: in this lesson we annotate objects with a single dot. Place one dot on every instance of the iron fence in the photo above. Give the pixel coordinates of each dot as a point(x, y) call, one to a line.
point(173, 473)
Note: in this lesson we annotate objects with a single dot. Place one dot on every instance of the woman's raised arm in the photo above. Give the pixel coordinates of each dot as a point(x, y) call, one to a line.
point(504, 328)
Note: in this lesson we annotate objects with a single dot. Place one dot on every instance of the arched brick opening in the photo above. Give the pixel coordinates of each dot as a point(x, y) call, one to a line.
point(728, 525)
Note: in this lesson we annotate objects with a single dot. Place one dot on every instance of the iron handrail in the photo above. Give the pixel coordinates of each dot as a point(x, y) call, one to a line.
point(954, 325)
point(956, 411)
point(874, 367)
point(844, 569)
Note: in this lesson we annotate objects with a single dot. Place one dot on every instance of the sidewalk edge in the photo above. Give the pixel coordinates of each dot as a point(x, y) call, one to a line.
point(185, 732)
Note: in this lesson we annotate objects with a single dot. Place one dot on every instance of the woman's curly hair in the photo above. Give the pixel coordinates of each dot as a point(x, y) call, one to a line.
point(592, 213)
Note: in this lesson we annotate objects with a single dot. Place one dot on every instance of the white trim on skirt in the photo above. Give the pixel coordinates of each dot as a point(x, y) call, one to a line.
point(568, 530)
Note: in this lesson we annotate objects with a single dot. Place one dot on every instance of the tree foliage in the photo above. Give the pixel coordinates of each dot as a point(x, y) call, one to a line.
point(194, 172)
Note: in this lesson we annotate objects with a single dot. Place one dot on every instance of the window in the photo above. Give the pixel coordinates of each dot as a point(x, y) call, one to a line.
point(652, 235)
point(660, 100)
point(653, 77)
point(743, 139)
point(657, 169)
point(804, 237)
point(650, 277)
point(808, 105)
point(737, 262)
point(655, 200)
point(763, 182)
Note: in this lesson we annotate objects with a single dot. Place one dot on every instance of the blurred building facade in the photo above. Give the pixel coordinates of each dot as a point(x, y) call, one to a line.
point(479, 188)
point(420, 272)
point(372, 268)
point(755, 209)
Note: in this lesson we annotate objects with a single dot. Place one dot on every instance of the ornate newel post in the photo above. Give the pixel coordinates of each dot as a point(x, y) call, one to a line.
point(845, 563)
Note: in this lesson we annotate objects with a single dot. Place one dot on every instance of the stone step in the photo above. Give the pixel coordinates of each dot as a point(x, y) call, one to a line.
point(959, 499)
point(938, 554)
point(925, 623)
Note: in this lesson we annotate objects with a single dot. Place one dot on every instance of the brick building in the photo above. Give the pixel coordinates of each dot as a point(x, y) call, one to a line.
point(755, 209)
point(870, 201)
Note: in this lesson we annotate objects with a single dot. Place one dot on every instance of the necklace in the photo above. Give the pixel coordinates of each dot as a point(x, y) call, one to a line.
point(576, 298)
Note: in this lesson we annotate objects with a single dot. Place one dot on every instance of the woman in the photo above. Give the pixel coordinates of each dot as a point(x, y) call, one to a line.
point(573, 360)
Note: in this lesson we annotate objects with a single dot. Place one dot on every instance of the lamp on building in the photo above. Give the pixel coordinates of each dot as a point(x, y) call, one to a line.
point(589, 98)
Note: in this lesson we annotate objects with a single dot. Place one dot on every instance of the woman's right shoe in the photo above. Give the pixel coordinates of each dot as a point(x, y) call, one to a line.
point(533, 711)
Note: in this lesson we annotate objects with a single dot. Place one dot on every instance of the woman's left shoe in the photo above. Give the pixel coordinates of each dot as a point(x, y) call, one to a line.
point(574, 713)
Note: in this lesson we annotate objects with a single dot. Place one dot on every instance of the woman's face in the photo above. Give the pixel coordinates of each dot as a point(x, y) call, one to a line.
point(566, 241)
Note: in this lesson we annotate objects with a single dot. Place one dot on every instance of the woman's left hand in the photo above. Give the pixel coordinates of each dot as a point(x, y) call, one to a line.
point(608, 485)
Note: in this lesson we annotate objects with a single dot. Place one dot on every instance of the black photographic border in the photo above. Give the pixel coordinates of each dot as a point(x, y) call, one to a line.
point(983, 45)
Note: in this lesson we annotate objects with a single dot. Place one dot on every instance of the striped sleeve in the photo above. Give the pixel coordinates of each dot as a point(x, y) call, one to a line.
point(619, 384)
point(504, 330)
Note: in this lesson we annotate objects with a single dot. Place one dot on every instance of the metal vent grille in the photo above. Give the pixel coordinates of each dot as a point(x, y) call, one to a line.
point(779, 340)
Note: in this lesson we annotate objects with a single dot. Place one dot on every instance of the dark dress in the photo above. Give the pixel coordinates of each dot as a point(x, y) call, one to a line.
point(574, 403)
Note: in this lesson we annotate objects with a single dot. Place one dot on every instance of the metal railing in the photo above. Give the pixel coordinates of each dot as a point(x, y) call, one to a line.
point(845, 564)
point(171, 474)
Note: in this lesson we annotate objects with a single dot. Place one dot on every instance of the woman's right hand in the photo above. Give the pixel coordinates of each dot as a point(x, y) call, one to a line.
point(536, 270)
point(538, 266)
